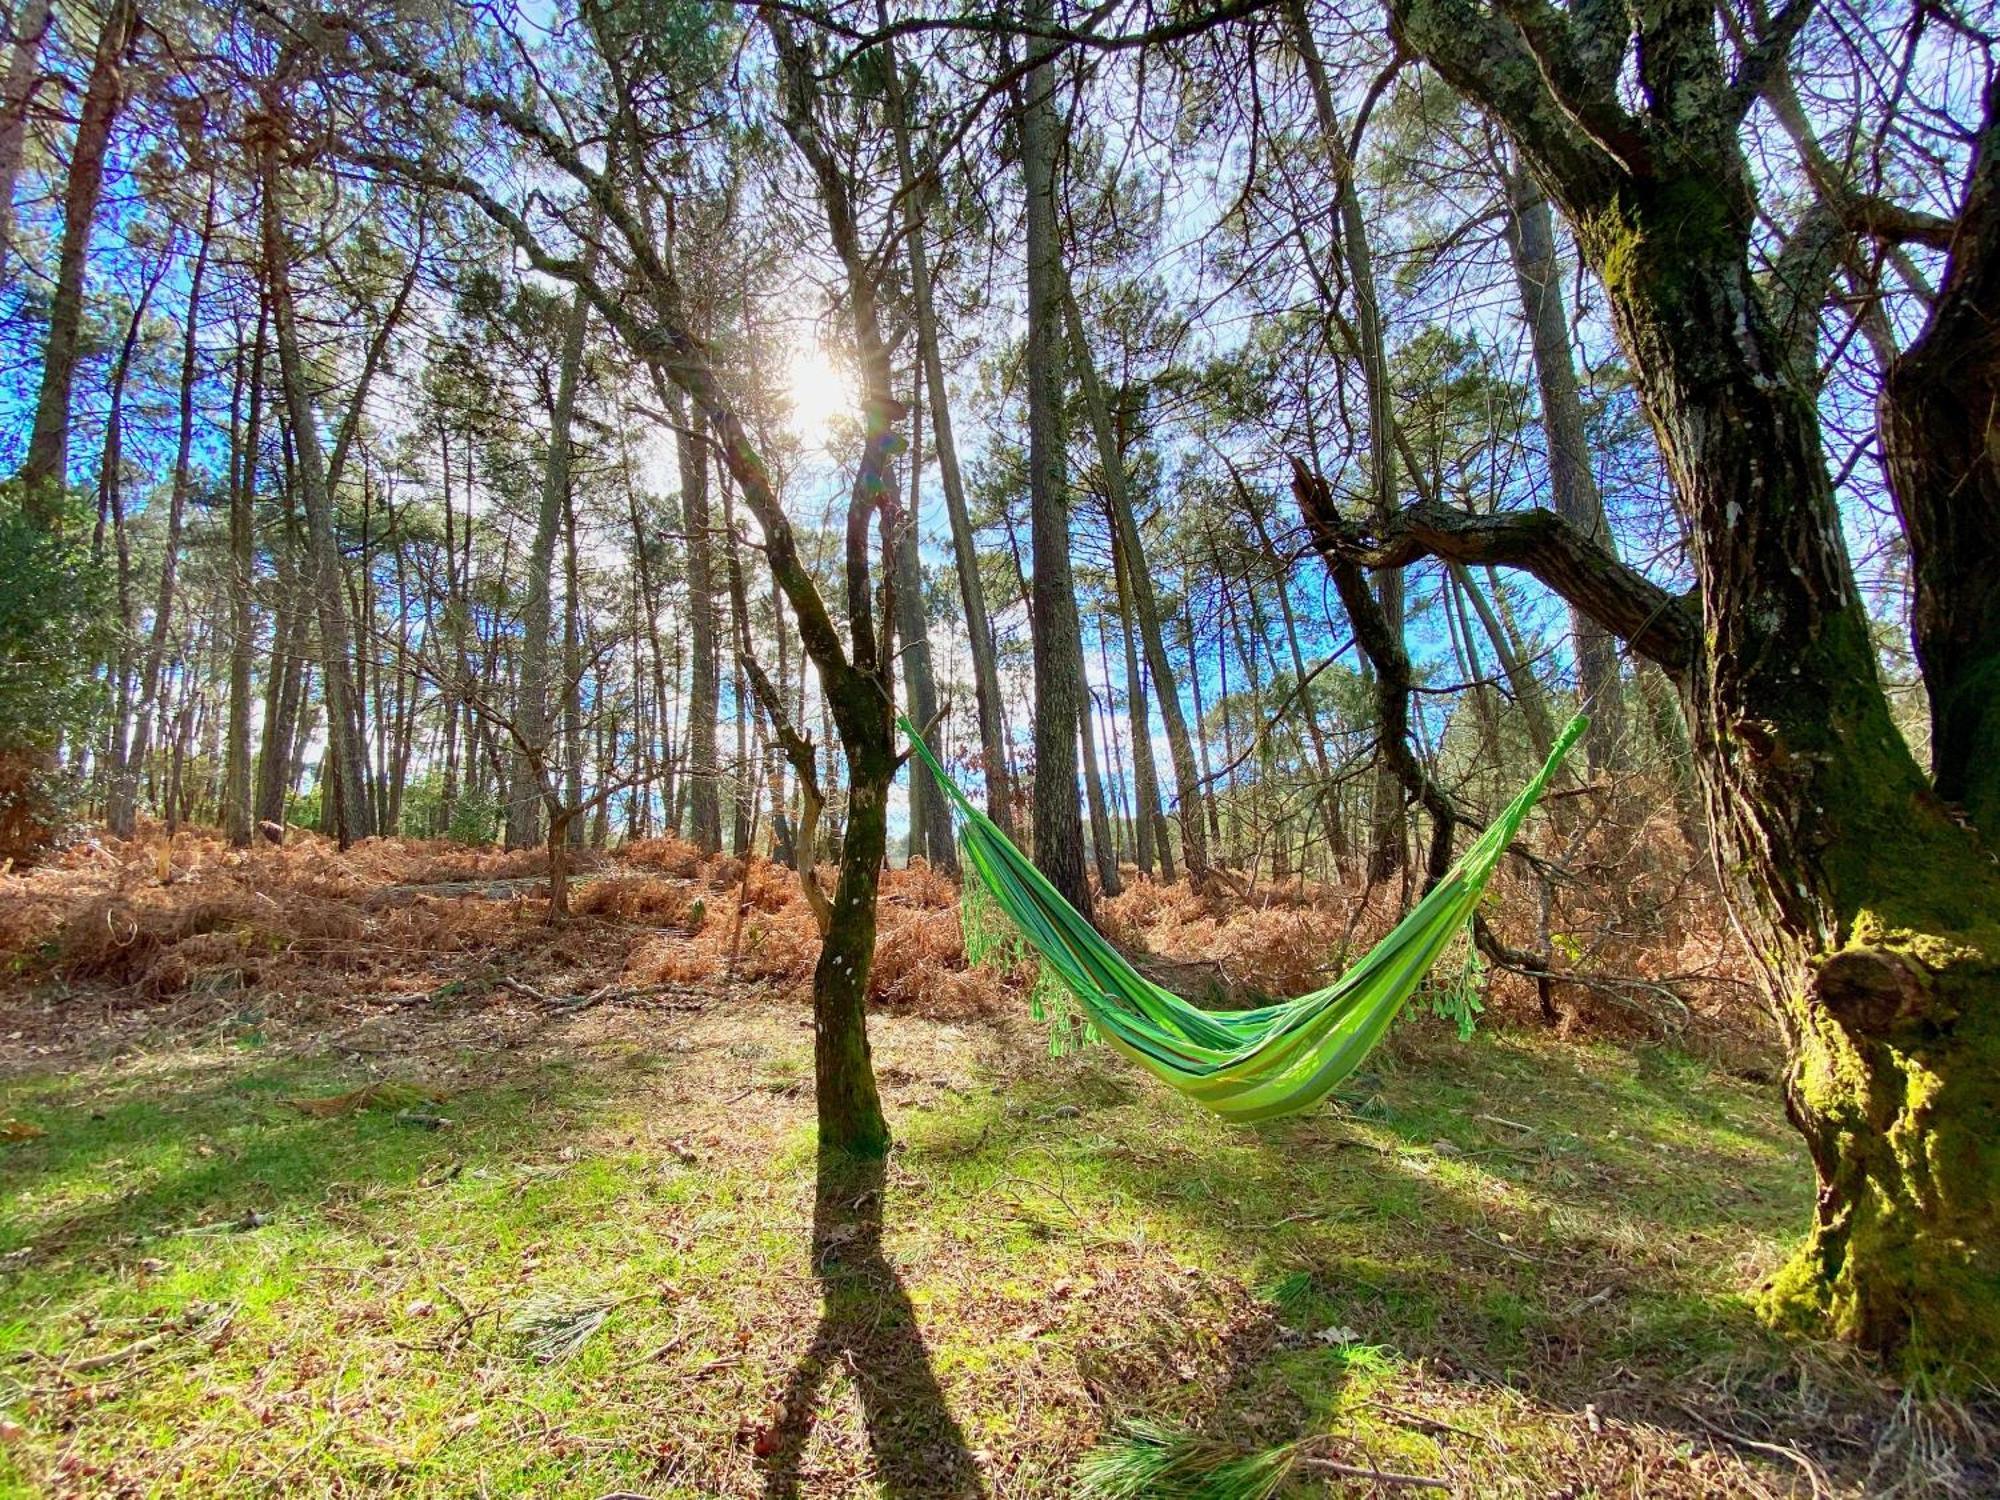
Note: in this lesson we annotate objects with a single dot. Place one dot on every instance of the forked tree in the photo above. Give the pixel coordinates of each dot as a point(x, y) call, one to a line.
point(1868, 889)
point(634, 286)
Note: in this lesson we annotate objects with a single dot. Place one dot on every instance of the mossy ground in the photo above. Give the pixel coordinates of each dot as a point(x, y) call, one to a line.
point(1515, 1264)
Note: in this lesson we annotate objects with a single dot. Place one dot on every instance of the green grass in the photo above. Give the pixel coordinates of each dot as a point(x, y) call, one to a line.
point(1509, 1262)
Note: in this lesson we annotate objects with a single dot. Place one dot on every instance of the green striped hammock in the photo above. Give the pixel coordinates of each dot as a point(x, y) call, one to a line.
point(1243, 1064)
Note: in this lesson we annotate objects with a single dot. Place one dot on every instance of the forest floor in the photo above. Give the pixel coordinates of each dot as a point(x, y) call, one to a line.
point(316, 1181)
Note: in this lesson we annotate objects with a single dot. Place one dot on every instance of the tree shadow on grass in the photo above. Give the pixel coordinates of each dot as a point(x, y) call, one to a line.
point(868, 1324)
point(1575, 1252)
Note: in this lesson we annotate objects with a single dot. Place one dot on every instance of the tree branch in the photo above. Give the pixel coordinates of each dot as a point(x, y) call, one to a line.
point(1658, 625)
point(1490, 61)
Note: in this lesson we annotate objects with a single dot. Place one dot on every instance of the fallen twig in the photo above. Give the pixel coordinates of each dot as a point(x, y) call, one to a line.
point(1780, 1450)
point(1423, 1423)
point(1378, 1476)
point(119, 1356)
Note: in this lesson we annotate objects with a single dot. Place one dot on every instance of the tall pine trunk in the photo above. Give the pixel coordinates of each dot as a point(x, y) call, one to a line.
point(1143, 602)
point(531, 712)
point(1058, 649)
point(237, 809)
point(343, 709)
point(177, 497)
point(965, 550)
point(46, 470)
point(1531, 244)
point(30, 28)
point(704, 793)
point(1388, 850)
point(930, 815)
point(1151, 831)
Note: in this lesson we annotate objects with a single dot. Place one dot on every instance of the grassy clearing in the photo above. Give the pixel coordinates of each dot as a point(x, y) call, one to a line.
point(1514, 1265)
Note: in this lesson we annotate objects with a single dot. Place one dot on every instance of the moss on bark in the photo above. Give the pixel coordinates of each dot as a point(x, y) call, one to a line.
point(1895, 1083)
point(850, 1107)
point(1901, 1257)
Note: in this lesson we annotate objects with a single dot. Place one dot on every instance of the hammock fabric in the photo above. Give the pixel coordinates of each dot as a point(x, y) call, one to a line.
point(1243, 1064)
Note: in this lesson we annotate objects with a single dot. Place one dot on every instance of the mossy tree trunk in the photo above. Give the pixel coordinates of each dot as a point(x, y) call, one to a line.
point(1873, 907)
point(850, 1109)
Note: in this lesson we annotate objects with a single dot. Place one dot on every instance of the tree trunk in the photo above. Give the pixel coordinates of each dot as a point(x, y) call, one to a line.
point(1329, 787)
point(744, 812)
point(703, 789)
point(1104, 851)
point(46, 470)
point(572, 657)
point(1205, 798)
point(1941, 443)
point(1151, 831)
point(849, 1105)
point(930, 815)
point(532, 707)
point(238, 822)
point(111, 507)
point(335, 635)
point(23, 66)
point(1521, 680)
point(1388, 834)
point(281, 686)
point(965, 550)
point(1058, 647)
point(1144, 602)
point(1870, 906)
point(1874, 907)
point(163, 601)
point(1531, 244)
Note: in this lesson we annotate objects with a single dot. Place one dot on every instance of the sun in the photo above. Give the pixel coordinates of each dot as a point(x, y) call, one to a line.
point(820, 390)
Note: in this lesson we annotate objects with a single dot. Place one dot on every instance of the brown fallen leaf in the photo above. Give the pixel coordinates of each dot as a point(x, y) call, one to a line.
point(20, 1130)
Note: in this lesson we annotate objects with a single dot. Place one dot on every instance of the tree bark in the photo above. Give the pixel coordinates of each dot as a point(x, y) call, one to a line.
point(323, 552)
point(1329, 789)
point(572, 658)
point(238, 822)
point(123, 798)
point(111, 509)
point(1388, 834)
point(1058, 645)
point(1152, 823)
point(23, 65)
point(930, 814)
point(1940, 419)
point(1103, 850)
point(281, 682)
point(965, 549)
point(1144, 603)
point(46, 469)
point(1869, 905)
point(532, 707)
point(704, 792)
point(1531, 244)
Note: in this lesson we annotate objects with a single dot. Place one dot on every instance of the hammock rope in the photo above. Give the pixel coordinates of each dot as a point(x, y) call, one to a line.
point(1245, 1065)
